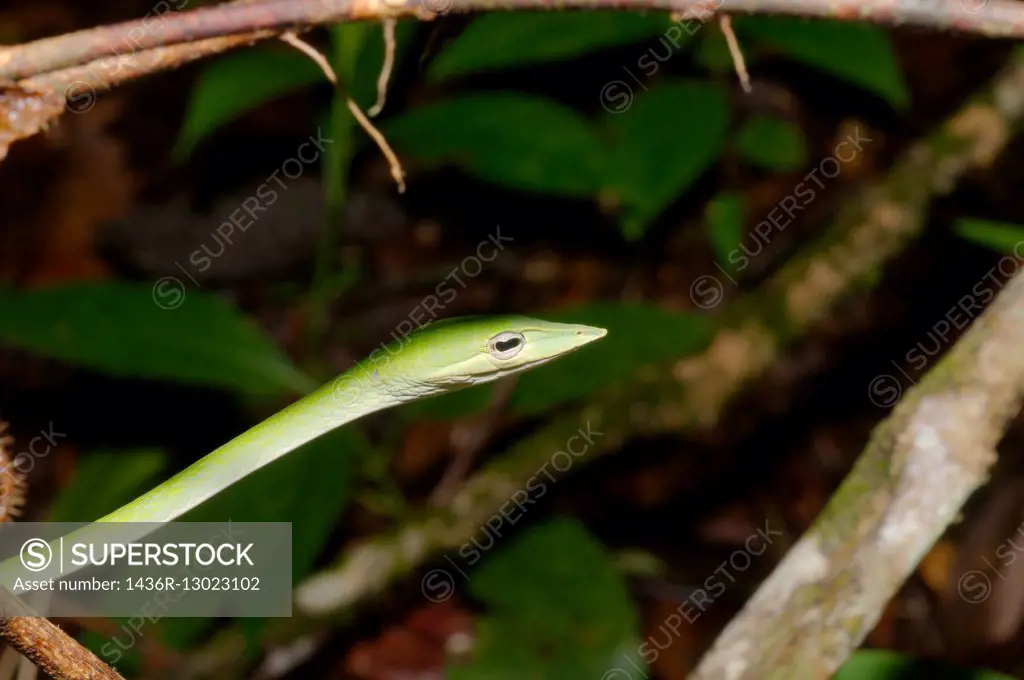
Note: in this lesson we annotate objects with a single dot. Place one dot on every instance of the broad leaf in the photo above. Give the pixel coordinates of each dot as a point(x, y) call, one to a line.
point(663, 143)
point(556, 608)
point(637, 336)
point(771, 143)
point(514, 39)
point(239, 82)
point(516, 140)
point(1000, 236)
point(853, 50)
point(121, 329)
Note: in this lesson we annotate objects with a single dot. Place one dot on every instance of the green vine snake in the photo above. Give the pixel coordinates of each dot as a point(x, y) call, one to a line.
point(440, 357)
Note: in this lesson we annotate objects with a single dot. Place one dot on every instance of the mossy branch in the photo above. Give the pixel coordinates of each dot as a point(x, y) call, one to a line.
point(918, 470)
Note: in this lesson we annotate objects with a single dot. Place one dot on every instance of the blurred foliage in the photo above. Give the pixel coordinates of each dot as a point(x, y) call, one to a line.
point(883, 665)
point(998, 236)
point(857, 52)
point(771, 143)
point(712, 53)
point(649, 170)
point(558, 152)
point(723, 218)
point(235, 83)
point(121, 329)
point(231, 85)
point(555, 607)
point(509, 40)
point(645, 156)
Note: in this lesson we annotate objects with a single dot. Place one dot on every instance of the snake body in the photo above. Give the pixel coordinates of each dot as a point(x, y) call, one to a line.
point(437, 358)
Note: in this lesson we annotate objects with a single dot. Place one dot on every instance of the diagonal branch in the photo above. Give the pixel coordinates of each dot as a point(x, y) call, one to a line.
point(993, 18)
point(920, 467)
point(47, 646)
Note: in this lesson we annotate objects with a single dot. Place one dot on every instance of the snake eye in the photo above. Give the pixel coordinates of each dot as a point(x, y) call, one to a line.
point(506, 345)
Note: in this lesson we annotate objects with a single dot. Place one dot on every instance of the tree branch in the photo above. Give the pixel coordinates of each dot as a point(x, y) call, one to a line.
point(920, 467)
point(37, 77)
point(129, 38)
point(993, 18)
point(52, 650)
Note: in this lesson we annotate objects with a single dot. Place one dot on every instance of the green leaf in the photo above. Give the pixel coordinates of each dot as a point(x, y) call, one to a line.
point(517, 140)
point(514, 39)
point(772, 143)
point(310, 487)
point(999, 236)
point(637, 336)
point(885, 665)
point(237, 83)
point(664, 142)
point(556, 608)
point(118, 328)
point(855, 51)
point(104, 481)
point(723, 218)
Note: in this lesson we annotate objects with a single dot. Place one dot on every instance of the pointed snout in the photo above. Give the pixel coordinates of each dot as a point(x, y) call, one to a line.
point(584, 335)
point(548, 339)
point(591, 332)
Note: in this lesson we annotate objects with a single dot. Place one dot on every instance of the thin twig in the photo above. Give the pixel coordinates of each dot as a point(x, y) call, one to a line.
point(725, 24)
point(385, 69)
point(319, 59)
point(393, 163)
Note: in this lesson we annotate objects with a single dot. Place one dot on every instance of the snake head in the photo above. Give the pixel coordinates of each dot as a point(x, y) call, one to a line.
point(472, 350)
